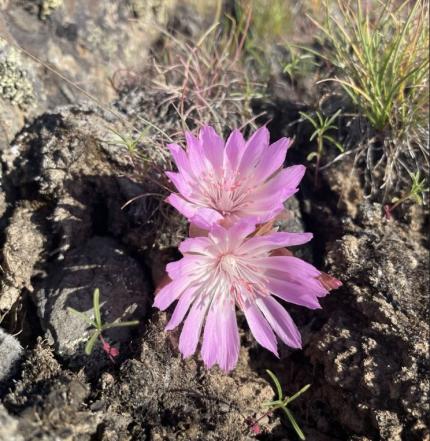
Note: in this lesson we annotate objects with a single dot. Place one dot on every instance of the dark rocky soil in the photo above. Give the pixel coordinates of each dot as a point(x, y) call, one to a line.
point(64, 231)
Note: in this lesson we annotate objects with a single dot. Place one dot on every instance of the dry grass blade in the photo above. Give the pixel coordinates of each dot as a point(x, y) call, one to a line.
point(205, 81)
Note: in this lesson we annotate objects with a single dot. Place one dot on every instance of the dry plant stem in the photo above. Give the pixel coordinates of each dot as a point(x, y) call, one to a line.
point(201, 79)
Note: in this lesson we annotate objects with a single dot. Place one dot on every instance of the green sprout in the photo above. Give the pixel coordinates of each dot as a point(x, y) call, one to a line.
point(282, 403)
point(298, 63)
point(129, 142)
point(322, 125)
point(100, 327)
point(415, 194)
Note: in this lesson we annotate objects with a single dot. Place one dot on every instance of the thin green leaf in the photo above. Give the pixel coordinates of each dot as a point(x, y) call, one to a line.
point(334, 142)
point(351, 86)
point(417, 198)
point(314, 135)
point(120, 324)
point(297, 394)
point(311, 156)
point(277, 383)
point(310, 119)
point(333, 117)
point(96, 305)
point(294, 424)
point(82, 316)
point(275, 404)
point(91, 342)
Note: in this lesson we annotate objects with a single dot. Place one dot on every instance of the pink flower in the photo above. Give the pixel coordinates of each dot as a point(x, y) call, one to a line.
point(225, 182)
point(228, 269)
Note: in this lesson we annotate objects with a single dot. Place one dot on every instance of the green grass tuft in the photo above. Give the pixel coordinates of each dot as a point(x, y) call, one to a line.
point(380, 54)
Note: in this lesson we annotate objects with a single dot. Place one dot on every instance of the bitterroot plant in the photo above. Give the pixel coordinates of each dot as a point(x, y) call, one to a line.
point(230, 193)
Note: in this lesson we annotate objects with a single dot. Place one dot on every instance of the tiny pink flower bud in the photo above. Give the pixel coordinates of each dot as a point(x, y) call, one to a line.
point(256, 429)
point(114, 351)
point(111, 351)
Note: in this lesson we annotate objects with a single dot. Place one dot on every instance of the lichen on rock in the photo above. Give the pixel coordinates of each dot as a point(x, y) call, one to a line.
point(47, 7)
point(16, 84)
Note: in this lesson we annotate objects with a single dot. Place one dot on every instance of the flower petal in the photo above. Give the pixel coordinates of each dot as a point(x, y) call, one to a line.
point(221, 342)
point(190, 334)
point(209, 351)
point(213, 147)
point(254, 149)
point(280, 321)
point(196, 156)
point(260, 329)
point(201, 216)
point(180, 183)
point(229, 342)
point(290, 264)
point(184, 207)
point(262, 244)
point(273, 159)
point(284, 183)
point(181, 309)
point(181, 160)
point(188, 266)
point(239, 231)
point(170, 292)
point(195, 245)
point(205, 218)
point(293, 293)
point(234, 148)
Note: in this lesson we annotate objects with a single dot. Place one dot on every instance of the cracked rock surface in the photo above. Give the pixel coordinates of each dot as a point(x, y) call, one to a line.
point(373, 348)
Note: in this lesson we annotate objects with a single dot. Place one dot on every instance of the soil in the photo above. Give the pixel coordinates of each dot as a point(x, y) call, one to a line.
point(64, 231)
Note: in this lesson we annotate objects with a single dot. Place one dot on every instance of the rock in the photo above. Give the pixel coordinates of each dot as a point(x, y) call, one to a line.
point(8, 427)
point(18, 90)
point(73, 162)
point(50, 401)
point(170, 398)
point(155, 395)
point(99, 263)
point(88, 43)
point(374, 347)
point(22, 250)
point(291, 220)
point(10, 353)
point(16, 84)
point(67, 180)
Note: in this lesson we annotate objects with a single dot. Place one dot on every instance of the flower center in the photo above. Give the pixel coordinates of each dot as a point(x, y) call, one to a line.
point(224, 193)
point(238, 281)
point(227, 262)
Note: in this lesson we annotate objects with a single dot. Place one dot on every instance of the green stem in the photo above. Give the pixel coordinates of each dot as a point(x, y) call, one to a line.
point(317, 165)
